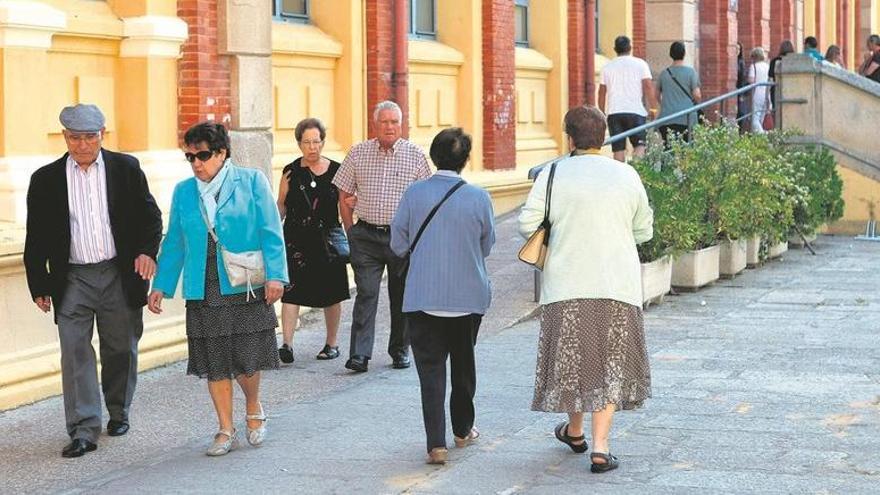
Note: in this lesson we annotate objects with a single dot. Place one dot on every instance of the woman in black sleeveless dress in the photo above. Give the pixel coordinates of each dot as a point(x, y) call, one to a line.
point(307, 201)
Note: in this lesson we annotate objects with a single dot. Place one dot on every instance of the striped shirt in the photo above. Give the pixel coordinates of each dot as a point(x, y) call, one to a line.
point(91, 238)
point(380, 177)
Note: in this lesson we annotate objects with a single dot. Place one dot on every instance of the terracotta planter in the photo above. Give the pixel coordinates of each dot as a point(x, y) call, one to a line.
point(753, 252)
point(732, 258)
point(695, 269)
point(776, 250)
point(795, 241)
point(656, 280)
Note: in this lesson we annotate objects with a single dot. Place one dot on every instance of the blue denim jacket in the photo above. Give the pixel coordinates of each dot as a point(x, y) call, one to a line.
point(247, 220)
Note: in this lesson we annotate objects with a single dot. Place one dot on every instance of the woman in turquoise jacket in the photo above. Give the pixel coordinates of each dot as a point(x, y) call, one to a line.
point(230, 330)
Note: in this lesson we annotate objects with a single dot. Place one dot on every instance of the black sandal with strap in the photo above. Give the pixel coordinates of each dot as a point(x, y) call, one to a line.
point(562, 435)
point(328, 353)
point(611, 463)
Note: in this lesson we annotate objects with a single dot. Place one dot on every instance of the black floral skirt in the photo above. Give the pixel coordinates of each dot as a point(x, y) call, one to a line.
point(232, 335)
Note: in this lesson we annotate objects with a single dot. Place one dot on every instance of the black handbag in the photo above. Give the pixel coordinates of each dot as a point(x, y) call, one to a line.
point(403, 266)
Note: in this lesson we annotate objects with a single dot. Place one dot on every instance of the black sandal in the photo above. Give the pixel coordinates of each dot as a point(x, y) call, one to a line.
point(611, 463)
point(562, 435)
point(328, 353)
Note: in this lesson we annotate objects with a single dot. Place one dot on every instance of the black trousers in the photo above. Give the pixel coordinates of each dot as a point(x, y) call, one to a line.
point(681, 130)
point(433, 340)
point(370, 254)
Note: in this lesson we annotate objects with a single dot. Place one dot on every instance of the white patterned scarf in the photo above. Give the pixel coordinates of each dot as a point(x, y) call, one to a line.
point(208, 191)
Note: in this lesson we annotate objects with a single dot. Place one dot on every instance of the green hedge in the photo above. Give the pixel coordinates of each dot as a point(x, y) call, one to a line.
point(724, 185)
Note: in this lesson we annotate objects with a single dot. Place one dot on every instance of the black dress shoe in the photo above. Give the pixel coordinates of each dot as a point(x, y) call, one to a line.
point(401, 362)
point(117, 428)
point(78, 447)
point(357, 363)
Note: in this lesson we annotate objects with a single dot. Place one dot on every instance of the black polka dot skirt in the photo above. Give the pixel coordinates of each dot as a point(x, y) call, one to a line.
point(591, 353)
point(232, 335)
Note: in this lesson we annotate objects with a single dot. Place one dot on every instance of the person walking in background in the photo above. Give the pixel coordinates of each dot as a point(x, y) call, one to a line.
point(230, 330)
point(93, 230)
point(741, 82)
point(447, 286)
point(377, 171)
point(871, 65)
point(625, 86)
point(833, 56)
point(785, 47)
point(760, 96)
point(591, 350)
point(307, 200)
point(678, 88)
point(811, 48)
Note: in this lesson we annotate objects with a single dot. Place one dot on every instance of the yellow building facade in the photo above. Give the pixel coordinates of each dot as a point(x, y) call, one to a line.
point(124, 56)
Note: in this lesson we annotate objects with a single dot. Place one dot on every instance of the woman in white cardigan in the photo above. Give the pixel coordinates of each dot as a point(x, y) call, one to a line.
point(591, 352)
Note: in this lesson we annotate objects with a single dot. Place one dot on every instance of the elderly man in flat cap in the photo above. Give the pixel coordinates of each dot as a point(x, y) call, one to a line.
point(93, 231)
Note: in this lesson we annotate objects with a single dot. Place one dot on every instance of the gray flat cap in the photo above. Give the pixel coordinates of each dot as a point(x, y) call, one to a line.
point(82, 118)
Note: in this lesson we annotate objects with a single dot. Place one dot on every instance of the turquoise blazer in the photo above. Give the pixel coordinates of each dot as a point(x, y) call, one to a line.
point(247, 220)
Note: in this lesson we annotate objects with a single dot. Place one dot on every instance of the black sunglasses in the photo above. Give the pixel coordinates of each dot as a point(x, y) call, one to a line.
point(203, 156)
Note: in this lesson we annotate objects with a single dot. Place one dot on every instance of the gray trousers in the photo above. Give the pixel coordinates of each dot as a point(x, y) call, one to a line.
point(94, 292)
point(370, 254)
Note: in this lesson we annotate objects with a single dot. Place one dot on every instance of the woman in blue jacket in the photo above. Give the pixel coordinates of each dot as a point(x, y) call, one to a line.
point(230, 329)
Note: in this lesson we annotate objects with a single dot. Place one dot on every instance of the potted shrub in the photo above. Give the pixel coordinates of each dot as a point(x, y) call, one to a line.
point(674, 232)
point(823, 199)
point(698, 166)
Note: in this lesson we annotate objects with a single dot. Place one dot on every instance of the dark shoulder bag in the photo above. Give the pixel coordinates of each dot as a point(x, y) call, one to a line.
point(403, 267)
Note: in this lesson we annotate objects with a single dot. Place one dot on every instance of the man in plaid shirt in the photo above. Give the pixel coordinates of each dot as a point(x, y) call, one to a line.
point(377, 171)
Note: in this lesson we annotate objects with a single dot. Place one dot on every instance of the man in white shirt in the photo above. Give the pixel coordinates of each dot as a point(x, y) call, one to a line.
point(625, 85)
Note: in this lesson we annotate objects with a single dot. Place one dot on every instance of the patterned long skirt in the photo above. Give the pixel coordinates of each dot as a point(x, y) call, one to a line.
point(591, 353)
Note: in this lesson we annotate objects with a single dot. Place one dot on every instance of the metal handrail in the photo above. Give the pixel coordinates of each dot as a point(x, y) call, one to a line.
point(534, 171)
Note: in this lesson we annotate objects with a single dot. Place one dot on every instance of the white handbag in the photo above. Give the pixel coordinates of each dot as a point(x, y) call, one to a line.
point(243, 269)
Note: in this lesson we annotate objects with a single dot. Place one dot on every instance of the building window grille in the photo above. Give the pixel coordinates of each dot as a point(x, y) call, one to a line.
point(521, 22)
point(423, 19)
point(291, 10)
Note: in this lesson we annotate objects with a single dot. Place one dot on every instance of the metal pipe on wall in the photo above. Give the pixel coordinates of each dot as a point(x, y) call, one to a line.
point(590, 76)
point(401, 60)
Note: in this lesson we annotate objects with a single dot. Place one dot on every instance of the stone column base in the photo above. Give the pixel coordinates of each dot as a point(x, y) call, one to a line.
point(252, 149)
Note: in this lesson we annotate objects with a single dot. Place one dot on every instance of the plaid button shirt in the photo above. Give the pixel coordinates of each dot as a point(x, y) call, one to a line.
point(379, 177)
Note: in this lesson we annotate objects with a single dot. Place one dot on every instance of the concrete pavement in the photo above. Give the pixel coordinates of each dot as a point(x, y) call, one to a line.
point(768, 383)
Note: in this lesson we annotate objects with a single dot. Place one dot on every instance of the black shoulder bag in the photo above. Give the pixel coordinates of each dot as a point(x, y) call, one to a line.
point(403, 268)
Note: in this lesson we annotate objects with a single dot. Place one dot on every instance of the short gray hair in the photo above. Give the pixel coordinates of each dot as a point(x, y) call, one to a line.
point(387, 105)
point(758, 54)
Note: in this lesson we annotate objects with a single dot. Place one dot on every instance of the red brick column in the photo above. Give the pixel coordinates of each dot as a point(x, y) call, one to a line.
point(499, 109)
point(590, 68)
point(821, 32)
point(640, 27)
point(753, 28)
point(204, 86)
point(718, 34)
point(577, 53)
point(782, 24)
point(380, 54)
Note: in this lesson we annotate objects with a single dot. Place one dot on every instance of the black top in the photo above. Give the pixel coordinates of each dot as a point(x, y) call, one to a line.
point(875, 76)
point(135, 221)
point(311, 205)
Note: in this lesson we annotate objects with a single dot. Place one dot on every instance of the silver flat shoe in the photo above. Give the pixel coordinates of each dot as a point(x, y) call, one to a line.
point(224, 441)
point(256, 436)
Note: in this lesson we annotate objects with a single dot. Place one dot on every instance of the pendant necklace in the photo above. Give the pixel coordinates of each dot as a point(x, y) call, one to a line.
point(313, 184)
